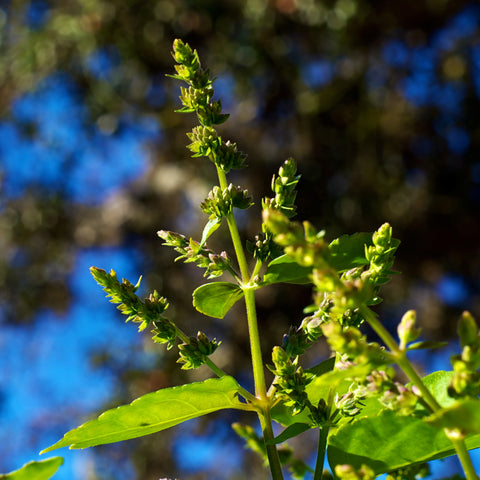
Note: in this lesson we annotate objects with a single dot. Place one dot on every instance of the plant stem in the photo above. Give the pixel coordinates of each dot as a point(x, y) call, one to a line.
point(464, 458)
point(400, 357)
point(254, 337)
point(322, 448)
point(403, 362)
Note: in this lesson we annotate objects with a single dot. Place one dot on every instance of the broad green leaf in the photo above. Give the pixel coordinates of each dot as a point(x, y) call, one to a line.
point(348, 251)
point(42, 470)
point(290, 432)
point(217, 298)
point(211, 226)
point(284, 269)
point(154, 412)
point(463, 414)
point(388, 441)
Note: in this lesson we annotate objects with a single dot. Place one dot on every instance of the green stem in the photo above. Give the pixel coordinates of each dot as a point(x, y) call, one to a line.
point(322, 448)
point(403, 362)
point(464, 458)
point(254, 337)
point(272, 453)
point(400, 357)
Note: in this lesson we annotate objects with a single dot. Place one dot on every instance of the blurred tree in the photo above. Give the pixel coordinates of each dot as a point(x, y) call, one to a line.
point(377, 101)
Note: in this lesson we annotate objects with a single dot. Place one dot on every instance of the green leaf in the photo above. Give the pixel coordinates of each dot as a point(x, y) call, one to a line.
point(426, 344)
point(437, 383)
point(290, 432)
point(210, 227)
point(154, 412)
point(284, 269)
point(388, 441)
point(463, 414)
point(216, 299)
point(348, 251)
point(42, 470)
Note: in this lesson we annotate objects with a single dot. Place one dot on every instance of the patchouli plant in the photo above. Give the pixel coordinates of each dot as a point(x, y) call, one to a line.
point(367, 422)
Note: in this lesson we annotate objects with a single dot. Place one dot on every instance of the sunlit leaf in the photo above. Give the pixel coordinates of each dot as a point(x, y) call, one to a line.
point(388, 441)
point(216, 299)
point(154, 412)
point(284, 269)
point(437, 383)
point(348, 251)
point(211, 226)
point(42, 470)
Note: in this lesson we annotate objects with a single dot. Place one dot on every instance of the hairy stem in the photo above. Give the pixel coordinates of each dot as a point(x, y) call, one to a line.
point(403, 362)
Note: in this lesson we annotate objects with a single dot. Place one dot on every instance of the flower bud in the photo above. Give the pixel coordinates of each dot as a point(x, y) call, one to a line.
point(467, 329)
point(407, 332)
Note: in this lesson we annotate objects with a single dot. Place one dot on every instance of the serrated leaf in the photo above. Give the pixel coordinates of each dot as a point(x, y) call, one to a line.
point(154, 412)
point(42, 470)
point(211, 226)
point(463, 414)
point(388, 441)
point(285, 270)
point(290, 432)
point(348, 251)
point(217, 298)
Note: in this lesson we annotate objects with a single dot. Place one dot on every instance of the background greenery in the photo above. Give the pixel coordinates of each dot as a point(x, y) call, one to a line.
point(377, 101)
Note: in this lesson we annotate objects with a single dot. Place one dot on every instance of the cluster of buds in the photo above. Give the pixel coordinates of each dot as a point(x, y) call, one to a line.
point(350, 404)
point(290, 380)
point(349, 341)
point(466, 378)
point(189, 68)
point(300, 241)
point(262, 246)
point(220, 203)
point(348, 472)
point(381, 256)
point(193, 252)
point(391, 394)
point(400, 398)
point(198, 97)
point(124, 294)
point(206, 143)
point(195, 352)
point(146, 312)
point(296, 341)
point(283, 186)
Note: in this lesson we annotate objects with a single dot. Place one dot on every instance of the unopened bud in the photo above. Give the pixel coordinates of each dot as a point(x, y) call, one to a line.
point(407, 332)
point(467, 329)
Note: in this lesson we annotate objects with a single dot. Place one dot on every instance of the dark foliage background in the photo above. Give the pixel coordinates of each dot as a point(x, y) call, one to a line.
point(377, 101)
